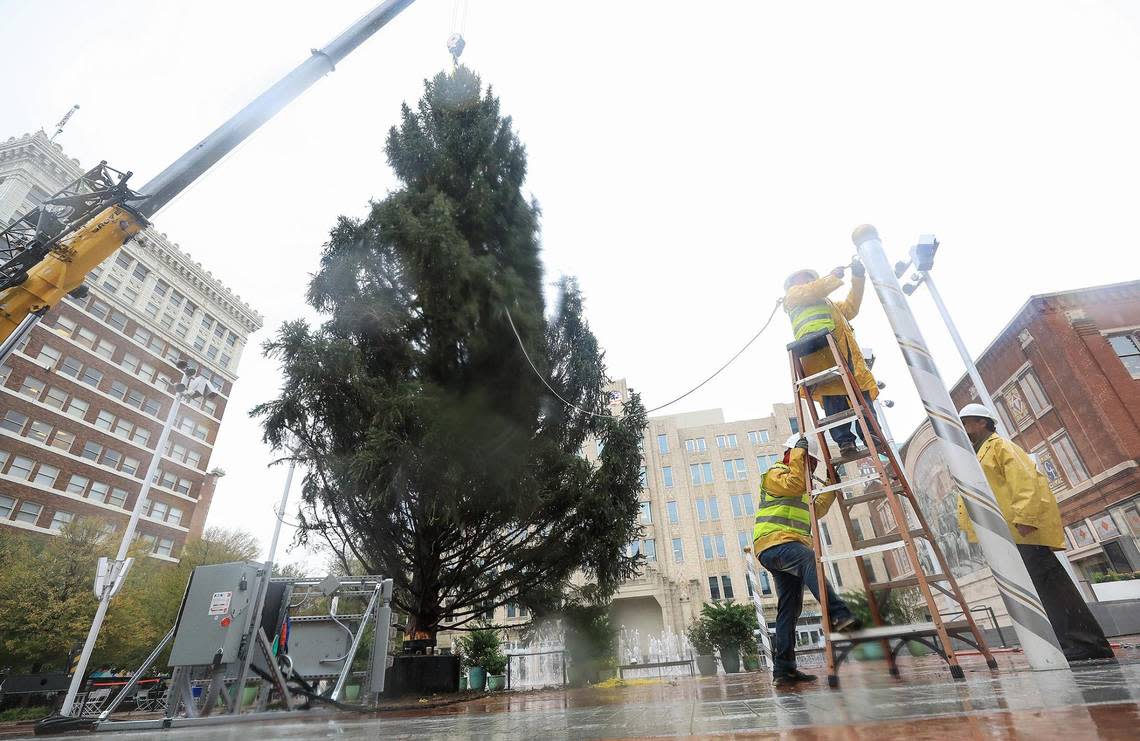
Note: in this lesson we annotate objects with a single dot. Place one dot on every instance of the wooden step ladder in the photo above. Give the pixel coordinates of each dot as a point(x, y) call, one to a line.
point(887, 483)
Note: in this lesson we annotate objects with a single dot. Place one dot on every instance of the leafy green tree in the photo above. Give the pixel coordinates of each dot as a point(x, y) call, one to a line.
point(434, 453)
point(48, 600)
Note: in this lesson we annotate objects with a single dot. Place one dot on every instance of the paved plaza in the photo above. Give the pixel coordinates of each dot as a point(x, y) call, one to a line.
point(1089, 702)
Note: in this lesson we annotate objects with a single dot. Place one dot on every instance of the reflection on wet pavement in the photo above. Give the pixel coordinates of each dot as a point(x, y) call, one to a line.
point(925, 703)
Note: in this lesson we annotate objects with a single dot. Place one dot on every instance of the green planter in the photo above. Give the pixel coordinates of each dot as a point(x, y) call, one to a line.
point(706, 665)
point(477, 678)
point(352, 692)
point(730, 659)
point(917, 649)
point(249, 694)
point(462, 682)
point(496, 682)
point(868, 652)
point(751, 663)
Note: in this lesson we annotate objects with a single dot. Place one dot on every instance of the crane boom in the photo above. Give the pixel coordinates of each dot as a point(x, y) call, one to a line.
point(47, 253)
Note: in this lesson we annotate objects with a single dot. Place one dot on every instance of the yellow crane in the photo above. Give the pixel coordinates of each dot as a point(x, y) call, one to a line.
point(47, 253)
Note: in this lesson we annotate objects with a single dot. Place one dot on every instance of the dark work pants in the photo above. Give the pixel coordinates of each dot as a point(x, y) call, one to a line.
point(793, 567)
point(842, 435)
point(1078, 631)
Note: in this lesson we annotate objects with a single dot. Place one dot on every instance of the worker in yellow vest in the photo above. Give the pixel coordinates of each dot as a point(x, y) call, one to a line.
point(809, 309)
point(782, 540)
point(1034, 519)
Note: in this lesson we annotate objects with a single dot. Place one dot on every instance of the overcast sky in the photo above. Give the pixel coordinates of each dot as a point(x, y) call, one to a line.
point(687, 157)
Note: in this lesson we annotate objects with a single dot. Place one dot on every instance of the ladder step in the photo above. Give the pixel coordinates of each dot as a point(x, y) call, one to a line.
point(911, 630)
point(856, 455)
point(896, 537)
point(906, 581)
point(817, 378)
point(830, 557)
point(871, 496)
point(845, 484)
point(847, 416)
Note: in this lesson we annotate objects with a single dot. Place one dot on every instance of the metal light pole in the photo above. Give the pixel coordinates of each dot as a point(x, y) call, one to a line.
point(1014, 584)
point(281, 513)
point(110, 576)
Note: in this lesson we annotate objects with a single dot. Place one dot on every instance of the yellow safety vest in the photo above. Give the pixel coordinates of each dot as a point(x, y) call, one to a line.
point(811, 318)
point(781, 514)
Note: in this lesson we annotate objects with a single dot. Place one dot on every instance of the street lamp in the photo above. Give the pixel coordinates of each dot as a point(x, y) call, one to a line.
point(922, 258)
point(110, 575)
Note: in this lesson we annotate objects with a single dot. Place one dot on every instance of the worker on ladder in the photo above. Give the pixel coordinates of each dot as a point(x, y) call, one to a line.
point(810, 311)
point(782, 539)
point(1030, 509)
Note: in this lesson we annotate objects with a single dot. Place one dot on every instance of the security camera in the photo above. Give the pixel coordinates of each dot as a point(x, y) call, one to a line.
point(923, 252)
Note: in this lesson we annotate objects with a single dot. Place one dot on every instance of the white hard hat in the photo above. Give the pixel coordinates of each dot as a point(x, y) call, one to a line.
point(788, 281)
point(813, 445)
point(976, 410)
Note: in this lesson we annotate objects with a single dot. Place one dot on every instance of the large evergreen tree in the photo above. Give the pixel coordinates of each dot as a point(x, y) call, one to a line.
point(435, 453)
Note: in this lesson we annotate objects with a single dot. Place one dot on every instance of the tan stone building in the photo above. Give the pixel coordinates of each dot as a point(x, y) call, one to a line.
point(701, 479)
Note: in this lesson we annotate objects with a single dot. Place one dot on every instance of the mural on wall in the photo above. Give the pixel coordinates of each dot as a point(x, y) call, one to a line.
point(939, 502)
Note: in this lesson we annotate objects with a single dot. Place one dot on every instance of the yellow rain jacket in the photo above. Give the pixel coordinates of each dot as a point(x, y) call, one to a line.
point(788, 480)
point(848, 308)
point(1022, 493)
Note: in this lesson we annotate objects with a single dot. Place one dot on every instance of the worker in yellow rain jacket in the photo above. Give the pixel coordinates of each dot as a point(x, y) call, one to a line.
point(1034, 520)
point(809, 309)
point(782, 540)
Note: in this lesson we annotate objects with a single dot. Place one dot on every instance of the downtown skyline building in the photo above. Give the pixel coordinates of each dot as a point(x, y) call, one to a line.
point(84, 397)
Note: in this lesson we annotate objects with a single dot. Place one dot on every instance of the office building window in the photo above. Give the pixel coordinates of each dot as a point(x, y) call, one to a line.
point(56, 397)
point(164, 546)
point(59, 519)
point(764, 462)
point(63, 440)
point(714, 509)
point(714, 588)
point(39, 431)
point(1067, 455)
point(721, 550)
point(726, 586)
point(14, 421)
point(836, 575)
point(77, 408)
point(1034, 394)
point(663, 443)
point(707, 546)
point(744, 540)
point(678, 551)
point(674, 514)
point(825, 533)
point(702, 509)
point(32, 387)
point(649, 548)
point(735, 470)
point(48, 356)
point(646, 513)
point(758, 437)
point(29, 512)
point(77, 484)
point(7, 504)
point(21, 467)
point(1127, 348)
point(794, 424)
point(696, 445)
point(46, 475)
point(642, 477)
point(91, 450)
point(765, 583)
point(726, 441)
point(666, 475)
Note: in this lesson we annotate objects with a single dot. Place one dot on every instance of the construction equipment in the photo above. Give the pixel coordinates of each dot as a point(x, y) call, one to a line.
point(883, 480)
point(47, 253)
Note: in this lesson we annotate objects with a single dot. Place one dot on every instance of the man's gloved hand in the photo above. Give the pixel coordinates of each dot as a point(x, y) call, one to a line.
point(857, 269)
point(838, 272)
point(802, 443)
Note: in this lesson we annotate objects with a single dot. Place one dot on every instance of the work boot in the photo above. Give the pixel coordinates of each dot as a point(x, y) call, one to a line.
point(846, 449)
point(792, 678)
point(846, 624)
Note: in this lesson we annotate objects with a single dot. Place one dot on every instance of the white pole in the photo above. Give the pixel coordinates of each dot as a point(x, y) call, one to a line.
point(971, 369)
point(1034, 630)
point(124, 548)
point(281, 513)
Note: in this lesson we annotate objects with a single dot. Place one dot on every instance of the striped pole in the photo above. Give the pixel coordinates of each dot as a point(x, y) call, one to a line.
point(1029, 619)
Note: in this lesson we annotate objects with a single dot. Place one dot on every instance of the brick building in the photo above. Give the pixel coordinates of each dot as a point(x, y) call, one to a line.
point(83, 399)
point(1064, 373)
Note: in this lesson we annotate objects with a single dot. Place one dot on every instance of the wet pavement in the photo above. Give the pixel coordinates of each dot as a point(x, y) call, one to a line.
point(1096, 701)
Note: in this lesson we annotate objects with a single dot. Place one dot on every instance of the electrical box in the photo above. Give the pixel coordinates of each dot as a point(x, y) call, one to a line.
point(216, 613)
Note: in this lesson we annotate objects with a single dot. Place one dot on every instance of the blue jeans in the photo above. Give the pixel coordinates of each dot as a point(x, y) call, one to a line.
point(793, 567)
point(842, 435)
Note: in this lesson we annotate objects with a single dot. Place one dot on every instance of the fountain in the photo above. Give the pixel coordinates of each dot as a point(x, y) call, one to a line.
point(539, 663)
point(663, 647)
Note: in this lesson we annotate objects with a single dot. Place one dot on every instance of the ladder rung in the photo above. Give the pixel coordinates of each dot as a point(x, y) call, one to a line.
point(862, 552)
point(817, 378)
point(857, 455)
point(846, 484)
point(842, 418)
point(906, 581)
point(871, 496)
point(892, 538)
point(910, 630)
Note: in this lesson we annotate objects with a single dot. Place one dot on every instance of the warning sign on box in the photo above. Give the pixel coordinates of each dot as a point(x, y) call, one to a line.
point(220, 603)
